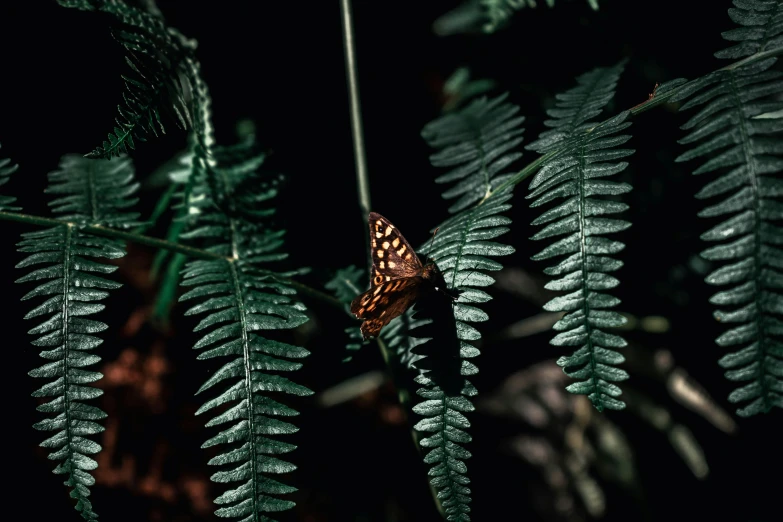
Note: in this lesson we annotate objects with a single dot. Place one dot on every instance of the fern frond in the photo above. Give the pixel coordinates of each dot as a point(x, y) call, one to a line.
point(88, 193)
point(477, 142)
point(587, 155)
point(738, 134)
point(149, 91)
point(241, 300)
point(498, 12)
point(345, 285)
point(6, 169)
point(154, 86)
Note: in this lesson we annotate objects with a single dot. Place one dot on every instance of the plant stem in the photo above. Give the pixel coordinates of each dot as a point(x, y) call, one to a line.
point(160, 207)
point(363, 183)
point(154, 242)
point(356, 116)
point(99, 230)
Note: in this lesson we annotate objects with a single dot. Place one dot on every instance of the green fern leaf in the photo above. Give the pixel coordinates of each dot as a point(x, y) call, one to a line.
point(6, 169)
point(499, 12)
point(241, 300)
point(737, 134)
point(149, 90)
point(156, 56)
point(345, 283)
point(586, 155)
point(477, 143)
point(88, 193)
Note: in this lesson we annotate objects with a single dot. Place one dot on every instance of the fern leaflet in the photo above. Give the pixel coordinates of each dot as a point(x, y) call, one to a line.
point(88, 193)
point(241, 300)
point(477, 143)
point(6, 169)
point(738, 132)
point(574, 172)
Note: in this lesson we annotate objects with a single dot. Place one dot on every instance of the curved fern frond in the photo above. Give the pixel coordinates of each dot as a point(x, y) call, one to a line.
point(587, 155)
point(241, 301)
point(156, 57)
point(477, 142)
point(88, 193)
point(738, 133)
point(149, 90)
point(6, 169)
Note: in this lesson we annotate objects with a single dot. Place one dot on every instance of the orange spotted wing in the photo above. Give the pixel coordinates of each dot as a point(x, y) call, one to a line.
point(397, 281)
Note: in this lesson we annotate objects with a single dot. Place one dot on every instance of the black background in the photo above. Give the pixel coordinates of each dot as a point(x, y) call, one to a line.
point(281, 64)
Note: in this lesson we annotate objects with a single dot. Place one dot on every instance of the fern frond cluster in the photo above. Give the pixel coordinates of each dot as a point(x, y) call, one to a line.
point(243, 303)
point(477, 144)
point(738, 135)
point(587, 153)
point(73, 280)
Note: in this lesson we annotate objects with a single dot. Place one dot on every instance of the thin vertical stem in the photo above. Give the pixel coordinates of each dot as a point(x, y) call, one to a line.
point(364, 191)
point(356, 115)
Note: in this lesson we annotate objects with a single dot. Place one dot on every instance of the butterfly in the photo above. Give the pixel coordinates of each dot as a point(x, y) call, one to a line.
point(399, 278)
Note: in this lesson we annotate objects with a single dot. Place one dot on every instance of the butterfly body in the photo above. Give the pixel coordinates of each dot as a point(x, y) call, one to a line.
point(399, 278)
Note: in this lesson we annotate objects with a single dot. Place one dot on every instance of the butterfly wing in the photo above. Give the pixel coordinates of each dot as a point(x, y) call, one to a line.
point(392, 256)
point(382, 303)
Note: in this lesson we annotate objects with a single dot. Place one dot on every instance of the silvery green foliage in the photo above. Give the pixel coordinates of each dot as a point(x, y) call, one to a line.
point(584, 154)
point(477, 143)
point(154, 87)
point(72, 281)
point(738, 135)
point(6, 169)
point(241, 300)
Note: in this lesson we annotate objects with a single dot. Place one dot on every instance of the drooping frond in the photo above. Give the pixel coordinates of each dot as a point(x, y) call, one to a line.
point(150, 90)
point(243, 157)
point(498, 12)
point(242, 301)
point(477, 142)
point(587, 154)
point(199, 180)
point(6, 169)
point(88, 193)
point(158, 83)
point(738, 134)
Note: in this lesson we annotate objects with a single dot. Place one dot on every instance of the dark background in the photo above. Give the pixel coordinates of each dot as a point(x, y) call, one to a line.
point(281, 64)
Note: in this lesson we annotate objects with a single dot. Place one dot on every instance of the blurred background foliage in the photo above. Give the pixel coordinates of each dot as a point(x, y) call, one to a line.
point(538, 452)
